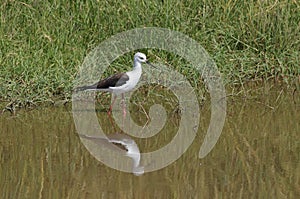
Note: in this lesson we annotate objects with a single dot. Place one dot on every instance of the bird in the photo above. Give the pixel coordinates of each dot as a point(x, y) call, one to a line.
point(120, 83)
point(123, 144)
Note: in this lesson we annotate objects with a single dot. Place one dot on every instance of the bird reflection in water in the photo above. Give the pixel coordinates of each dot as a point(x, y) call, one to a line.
point(125, 143)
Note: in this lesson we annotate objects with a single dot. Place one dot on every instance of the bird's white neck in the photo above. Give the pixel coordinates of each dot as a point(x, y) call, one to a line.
point(137, 67)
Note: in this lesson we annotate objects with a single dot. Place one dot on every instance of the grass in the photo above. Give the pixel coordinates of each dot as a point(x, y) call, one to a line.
point(42, 44)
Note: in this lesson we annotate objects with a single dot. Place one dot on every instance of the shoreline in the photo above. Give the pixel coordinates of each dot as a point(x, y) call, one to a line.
point(247, 91)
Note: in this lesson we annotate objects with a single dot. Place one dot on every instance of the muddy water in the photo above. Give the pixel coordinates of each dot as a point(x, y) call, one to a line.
point(257, 155)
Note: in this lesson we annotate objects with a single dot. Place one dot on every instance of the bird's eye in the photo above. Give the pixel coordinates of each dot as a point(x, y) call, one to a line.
point(141, 57)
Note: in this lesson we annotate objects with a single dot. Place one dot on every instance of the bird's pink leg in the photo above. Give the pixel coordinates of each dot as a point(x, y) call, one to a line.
point(123, 105)
point(111, 106)
point(124, 110)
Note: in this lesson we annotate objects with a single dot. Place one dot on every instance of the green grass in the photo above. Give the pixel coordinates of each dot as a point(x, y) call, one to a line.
point(42, 44)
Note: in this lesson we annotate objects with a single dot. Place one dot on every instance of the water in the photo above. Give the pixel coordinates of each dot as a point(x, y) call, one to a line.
point(257, 155)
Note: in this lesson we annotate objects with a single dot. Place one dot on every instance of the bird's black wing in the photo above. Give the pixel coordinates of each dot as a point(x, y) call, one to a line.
point(113, 81)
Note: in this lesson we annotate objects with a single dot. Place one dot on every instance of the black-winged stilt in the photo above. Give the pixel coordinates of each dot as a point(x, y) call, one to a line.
point(120, 83)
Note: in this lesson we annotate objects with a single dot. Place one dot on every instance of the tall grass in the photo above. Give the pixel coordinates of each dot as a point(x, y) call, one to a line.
point(43, 43)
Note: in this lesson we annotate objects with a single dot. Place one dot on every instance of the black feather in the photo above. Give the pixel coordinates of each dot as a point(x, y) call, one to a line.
point(112, 81)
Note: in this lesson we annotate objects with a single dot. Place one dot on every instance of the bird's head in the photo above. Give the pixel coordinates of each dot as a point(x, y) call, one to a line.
point(140, 57)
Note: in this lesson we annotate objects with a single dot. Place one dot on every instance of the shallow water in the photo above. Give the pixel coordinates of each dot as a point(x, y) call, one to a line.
point(257, 155)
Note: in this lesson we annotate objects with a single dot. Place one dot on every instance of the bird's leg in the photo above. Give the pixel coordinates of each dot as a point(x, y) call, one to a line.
point(123, 105)
point(111, 106)
point(124, 110)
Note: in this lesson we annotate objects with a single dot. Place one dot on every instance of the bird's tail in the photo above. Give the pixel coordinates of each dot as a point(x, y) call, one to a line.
point(83, 88)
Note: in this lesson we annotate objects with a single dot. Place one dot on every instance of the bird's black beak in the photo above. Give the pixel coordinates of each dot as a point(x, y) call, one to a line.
point(147, 62)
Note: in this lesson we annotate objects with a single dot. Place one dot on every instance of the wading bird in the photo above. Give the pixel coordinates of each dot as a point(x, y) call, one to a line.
point(120, 83)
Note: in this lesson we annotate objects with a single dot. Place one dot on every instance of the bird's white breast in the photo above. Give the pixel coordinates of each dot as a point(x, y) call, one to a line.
point(134, 77)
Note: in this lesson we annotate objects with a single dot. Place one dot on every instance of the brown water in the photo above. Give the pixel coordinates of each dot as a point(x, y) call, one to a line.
point(257, 156)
